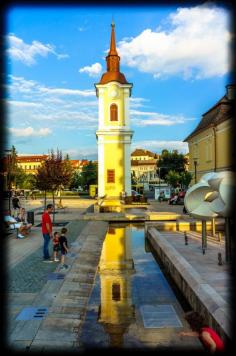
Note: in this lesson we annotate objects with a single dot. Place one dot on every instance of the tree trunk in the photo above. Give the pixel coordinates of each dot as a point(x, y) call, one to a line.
point(53, 202)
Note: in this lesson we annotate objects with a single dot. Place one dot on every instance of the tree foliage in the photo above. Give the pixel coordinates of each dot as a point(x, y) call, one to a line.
point(11, 168)
point(89, 174)
point(54, 173)
point(173, 178)
point(171, 161)
point(185, 179)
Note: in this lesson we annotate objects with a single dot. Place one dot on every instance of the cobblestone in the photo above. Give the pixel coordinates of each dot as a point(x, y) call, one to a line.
point(30, 275)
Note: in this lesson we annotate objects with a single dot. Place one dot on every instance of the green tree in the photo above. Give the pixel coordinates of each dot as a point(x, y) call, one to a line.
point(89, 174)
point(11, 168)
point(171, 161)
point(43, 180)
point(76, 179)
point(134, 179)
point(185, 179)
point(20, 177)
point(54, 174)
point(173, 178)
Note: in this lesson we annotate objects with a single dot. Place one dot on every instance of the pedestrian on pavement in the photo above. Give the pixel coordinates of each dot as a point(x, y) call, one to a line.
point(15, 205)
point(64, 247)
point(56, 246)
point(210, 339)
point(47, 232)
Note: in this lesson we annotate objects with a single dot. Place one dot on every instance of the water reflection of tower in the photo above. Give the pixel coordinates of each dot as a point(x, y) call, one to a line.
point(116, 267)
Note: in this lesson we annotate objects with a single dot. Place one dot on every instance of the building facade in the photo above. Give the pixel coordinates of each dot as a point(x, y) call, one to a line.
point(210, 144)
point(144, 166)
point(31, 163)
point(113, 134)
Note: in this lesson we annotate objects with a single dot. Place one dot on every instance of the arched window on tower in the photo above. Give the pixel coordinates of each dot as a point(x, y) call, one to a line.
point(113, 112)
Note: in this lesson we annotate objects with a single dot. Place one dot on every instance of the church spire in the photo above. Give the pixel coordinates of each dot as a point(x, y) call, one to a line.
point(113, 63)
point(113, 41)
point(113, 60)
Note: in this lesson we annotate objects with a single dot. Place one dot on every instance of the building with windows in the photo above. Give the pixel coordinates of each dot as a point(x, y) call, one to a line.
point(144, 166)
point(31, 163)
point(210, 144)
point(113, 134)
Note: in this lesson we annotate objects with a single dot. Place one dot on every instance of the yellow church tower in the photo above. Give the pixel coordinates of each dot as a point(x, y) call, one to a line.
point(113, 134)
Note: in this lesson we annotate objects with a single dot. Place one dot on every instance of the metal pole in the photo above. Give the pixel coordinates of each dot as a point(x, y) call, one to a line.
point(213, 227)
point(204, 240)
point(195, 171)
point(227, 240)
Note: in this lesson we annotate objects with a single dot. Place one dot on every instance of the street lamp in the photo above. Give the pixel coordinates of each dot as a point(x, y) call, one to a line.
point(195, 171)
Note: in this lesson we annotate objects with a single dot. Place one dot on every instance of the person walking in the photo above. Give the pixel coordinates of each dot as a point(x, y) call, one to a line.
point(64, 247)
point(47, 232)
point(56, 246)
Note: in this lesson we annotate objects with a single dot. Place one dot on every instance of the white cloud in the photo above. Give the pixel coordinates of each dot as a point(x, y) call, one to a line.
point(64, 91)
point(93, 71)
point(63, 108)
point(23, 86)
point(145, 118)
point(158, 146)
point(22, 104)
point(137, 102)
point(26, 53)
point(196, 45)
point(29, 132)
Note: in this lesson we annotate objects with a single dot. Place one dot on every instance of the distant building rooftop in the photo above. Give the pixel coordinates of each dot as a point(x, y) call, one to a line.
point(142, 152)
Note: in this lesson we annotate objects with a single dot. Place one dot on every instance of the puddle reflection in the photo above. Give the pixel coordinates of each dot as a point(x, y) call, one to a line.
point(132, 304)
point(115, 269)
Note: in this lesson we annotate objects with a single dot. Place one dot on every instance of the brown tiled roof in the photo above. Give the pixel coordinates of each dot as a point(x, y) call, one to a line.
point(141, 152)
point(220, 112)
point(146, 162)
point(31, 158)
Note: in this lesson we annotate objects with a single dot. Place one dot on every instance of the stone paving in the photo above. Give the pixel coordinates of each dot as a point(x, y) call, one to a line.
point(208, 285)
point(66, 299)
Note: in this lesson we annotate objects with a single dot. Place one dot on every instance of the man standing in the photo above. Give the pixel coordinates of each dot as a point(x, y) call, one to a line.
point(47, 231)
point(15, 205)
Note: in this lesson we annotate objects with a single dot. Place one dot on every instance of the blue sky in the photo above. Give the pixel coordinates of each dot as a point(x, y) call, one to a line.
point(177, 58)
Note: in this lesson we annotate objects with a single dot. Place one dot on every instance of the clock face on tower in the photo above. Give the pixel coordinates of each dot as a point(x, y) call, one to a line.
point(114, 93)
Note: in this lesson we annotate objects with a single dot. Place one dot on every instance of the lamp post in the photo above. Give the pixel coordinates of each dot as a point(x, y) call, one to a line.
point(195, 171)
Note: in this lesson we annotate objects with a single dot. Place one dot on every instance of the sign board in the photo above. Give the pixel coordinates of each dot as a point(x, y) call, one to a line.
point(165, 190)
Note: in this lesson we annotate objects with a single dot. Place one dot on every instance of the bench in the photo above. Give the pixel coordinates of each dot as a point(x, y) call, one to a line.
point(8, 230)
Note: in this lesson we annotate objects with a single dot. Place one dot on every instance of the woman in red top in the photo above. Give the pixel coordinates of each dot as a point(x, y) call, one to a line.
point(210, 339)
point(47, 231)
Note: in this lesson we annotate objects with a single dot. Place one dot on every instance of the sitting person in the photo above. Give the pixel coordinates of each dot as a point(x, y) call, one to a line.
point(210, 339)
point(12, 224)
point(23, 218)
point(173, 200)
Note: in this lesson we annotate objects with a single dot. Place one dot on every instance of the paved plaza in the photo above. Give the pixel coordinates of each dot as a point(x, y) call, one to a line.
point(32, 283)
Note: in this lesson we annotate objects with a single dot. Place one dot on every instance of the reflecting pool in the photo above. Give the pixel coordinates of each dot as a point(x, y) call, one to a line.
point(132, 305)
